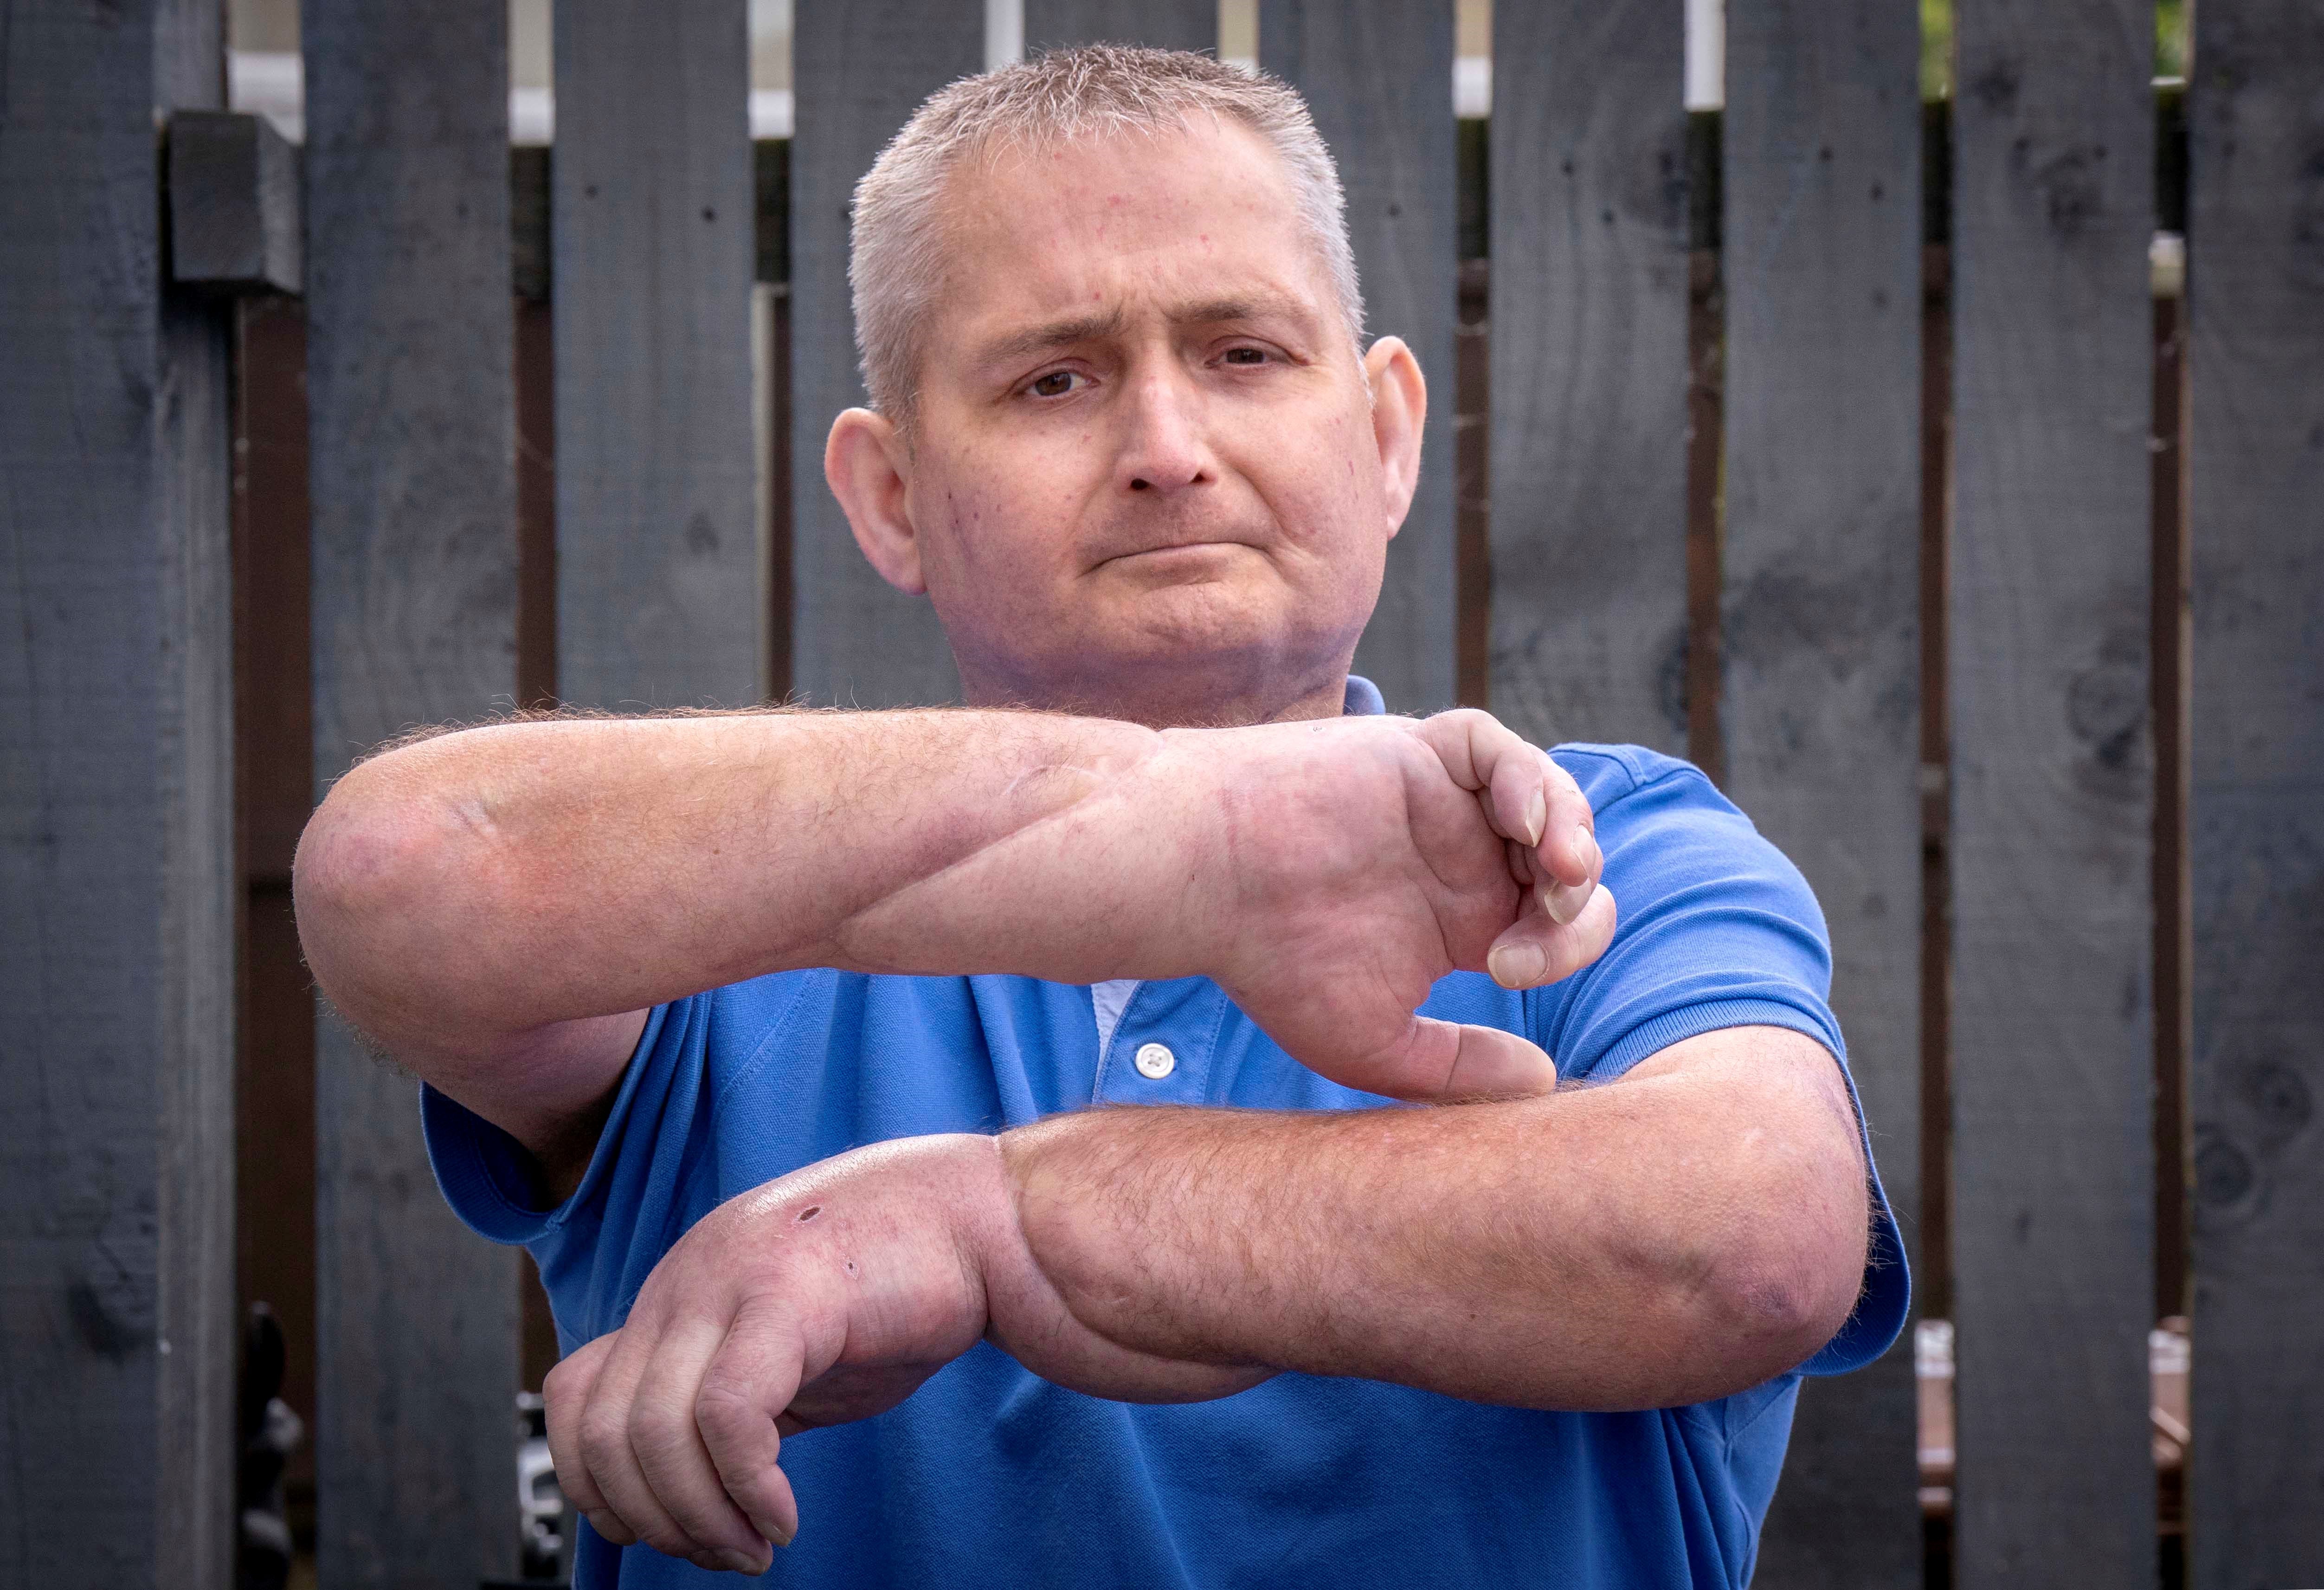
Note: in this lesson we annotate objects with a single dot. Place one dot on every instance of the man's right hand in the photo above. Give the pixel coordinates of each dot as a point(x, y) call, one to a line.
point(1364, 858)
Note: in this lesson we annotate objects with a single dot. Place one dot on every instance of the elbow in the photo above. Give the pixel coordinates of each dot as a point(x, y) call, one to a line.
point(374, 866)
point(1776, 1298)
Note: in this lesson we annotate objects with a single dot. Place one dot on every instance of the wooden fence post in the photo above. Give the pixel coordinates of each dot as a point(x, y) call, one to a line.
point(1377, 75)
point(1160, 24)
point(657, 520)
point(411, 384)
point(1589, 325)
point(2052, 790)
point(117, 1333)
point(860, 70)
point(2257, 467)
point(1821, 647)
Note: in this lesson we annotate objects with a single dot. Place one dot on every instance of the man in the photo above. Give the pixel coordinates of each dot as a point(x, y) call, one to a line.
point(774, 1035)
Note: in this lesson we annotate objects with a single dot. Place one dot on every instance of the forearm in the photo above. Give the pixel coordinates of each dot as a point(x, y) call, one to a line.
point(1635, 1245)
point(505, 878)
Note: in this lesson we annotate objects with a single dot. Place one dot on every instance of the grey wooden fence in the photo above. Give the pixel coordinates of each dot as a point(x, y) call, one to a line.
point(1787, 249)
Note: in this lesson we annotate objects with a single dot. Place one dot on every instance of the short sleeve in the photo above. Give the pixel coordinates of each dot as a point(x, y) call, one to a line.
point(1717, 929)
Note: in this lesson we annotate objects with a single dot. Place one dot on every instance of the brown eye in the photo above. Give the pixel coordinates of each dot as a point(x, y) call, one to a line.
point(1055, 383)
point(1246, 355)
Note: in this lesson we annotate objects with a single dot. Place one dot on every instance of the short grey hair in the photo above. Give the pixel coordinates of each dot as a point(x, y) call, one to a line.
point(897, 261)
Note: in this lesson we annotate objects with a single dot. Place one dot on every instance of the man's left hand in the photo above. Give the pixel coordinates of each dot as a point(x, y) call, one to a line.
point(823, 1296)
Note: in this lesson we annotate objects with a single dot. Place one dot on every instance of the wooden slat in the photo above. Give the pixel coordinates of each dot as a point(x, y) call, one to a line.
point(657, 522)
point(861, 69)
point(410, 362)
point(1590, 370)
point(1163, 25)
point(2256, 301)
point(2052, 789)
point(117, 1189)
point(1377, 75)
point(1821, 638)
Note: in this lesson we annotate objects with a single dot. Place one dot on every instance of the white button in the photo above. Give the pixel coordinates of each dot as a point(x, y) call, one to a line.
point(1154, 1061)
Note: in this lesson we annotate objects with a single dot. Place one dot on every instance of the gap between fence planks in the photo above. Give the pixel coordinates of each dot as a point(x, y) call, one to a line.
point(2256, 300)
point(2052, 1034)
point(1160, 24)
point(1377, 79)
point(412, 443)
point(1820, 647)
point(657, 512)
point(860, 69)
point(1589, 333)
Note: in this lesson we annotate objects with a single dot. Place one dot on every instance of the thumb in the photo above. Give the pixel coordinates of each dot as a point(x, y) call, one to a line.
point(1437, 1062)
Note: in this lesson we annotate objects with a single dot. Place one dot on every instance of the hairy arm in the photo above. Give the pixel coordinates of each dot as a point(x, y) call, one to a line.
point(1680, 1234)
point(500, 907)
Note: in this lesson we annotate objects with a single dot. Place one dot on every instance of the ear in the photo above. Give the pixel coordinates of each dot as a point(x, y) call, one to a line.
point(1399, 405)
point(870, 469)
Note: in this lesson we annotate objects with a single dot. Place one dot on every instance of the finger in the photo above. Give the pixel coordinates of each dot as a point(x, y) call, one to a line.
point(1433, 1062)
point(743, 1392)
point(630, 1513)
point(674, 1462)
point(1535, 950)
point(1483, 756)
point(1569, 842)
point(565, 1393)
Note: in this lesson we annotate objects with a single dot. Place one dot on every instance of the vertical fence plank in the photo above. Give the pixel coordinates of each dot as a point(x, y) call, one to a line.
point(1820, 648)
point(1590, 370)
point(117, 1158)
point(1162, 25)
point(2256, 300)
point(410, 383)
point(656, 521)
point(2053, 205)
point(860, 70)
point(1379, 76)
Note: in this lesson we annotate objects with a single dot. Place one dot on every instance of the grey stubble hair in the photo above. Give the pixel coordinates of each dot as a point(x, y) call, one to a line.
point(896, 261)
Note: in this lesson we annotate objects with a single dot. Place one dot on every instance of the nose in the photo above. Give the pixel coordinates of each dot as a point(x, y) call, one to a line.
point(1163, 445)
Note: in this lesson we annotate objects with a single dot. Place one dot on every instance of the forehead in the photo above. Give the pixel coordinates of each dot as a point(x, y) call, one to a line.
point(1203, 211)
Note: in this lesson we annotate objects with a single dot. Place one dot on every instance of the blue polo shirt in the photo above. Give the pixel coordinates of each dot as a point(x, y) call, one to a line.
point(989, 1476)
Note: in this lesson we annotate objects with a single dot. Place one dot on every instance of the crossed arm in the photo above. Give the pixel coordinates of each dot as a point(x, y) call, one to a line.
point(500, 907)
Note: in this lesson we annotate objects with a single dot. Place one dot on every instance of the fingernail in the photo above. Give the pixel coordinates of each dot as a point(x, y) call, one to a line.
point(1586, 843)
point(1517, 965)
point(737, 1561)
point(1537, 818)
point(1564, 901)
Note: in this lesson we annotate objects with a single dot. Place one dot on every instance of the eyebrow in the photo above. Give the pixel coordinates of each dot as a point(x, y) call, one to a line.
point(1056, 334)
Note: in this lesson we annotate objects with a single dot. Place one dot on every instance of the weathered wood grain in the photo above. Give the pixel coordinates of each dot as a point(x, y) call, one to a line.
point(235, 224)
point(657, 527)
point(2256, 471)
point(1590, 370)
point(116, 839)
point(1162, 25)
point(2052, 793)
point(1821, 638)
point(861, 69)
point(411, 361)
point(1378, 76)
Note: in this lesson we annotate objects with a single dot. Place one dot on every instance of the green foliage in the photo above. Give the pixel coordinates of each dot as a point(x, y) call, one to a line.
point(2170, 44)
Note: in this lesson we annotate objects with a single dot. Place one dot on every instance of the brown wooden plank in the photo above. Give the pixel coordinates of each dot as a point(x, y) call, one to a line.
point(860, 70)
point(1162, 25)
point(1821, 637)
point(2256, 468)
point(1378, 76)
point(411, 378)
point(1590, 370)
point(656, 521)
point(117, 1189)
point(2052, 793)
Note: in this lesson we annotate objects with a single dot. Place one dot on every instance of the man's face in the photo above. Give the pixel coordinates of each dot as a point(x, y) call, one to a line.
point(1147, 475)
